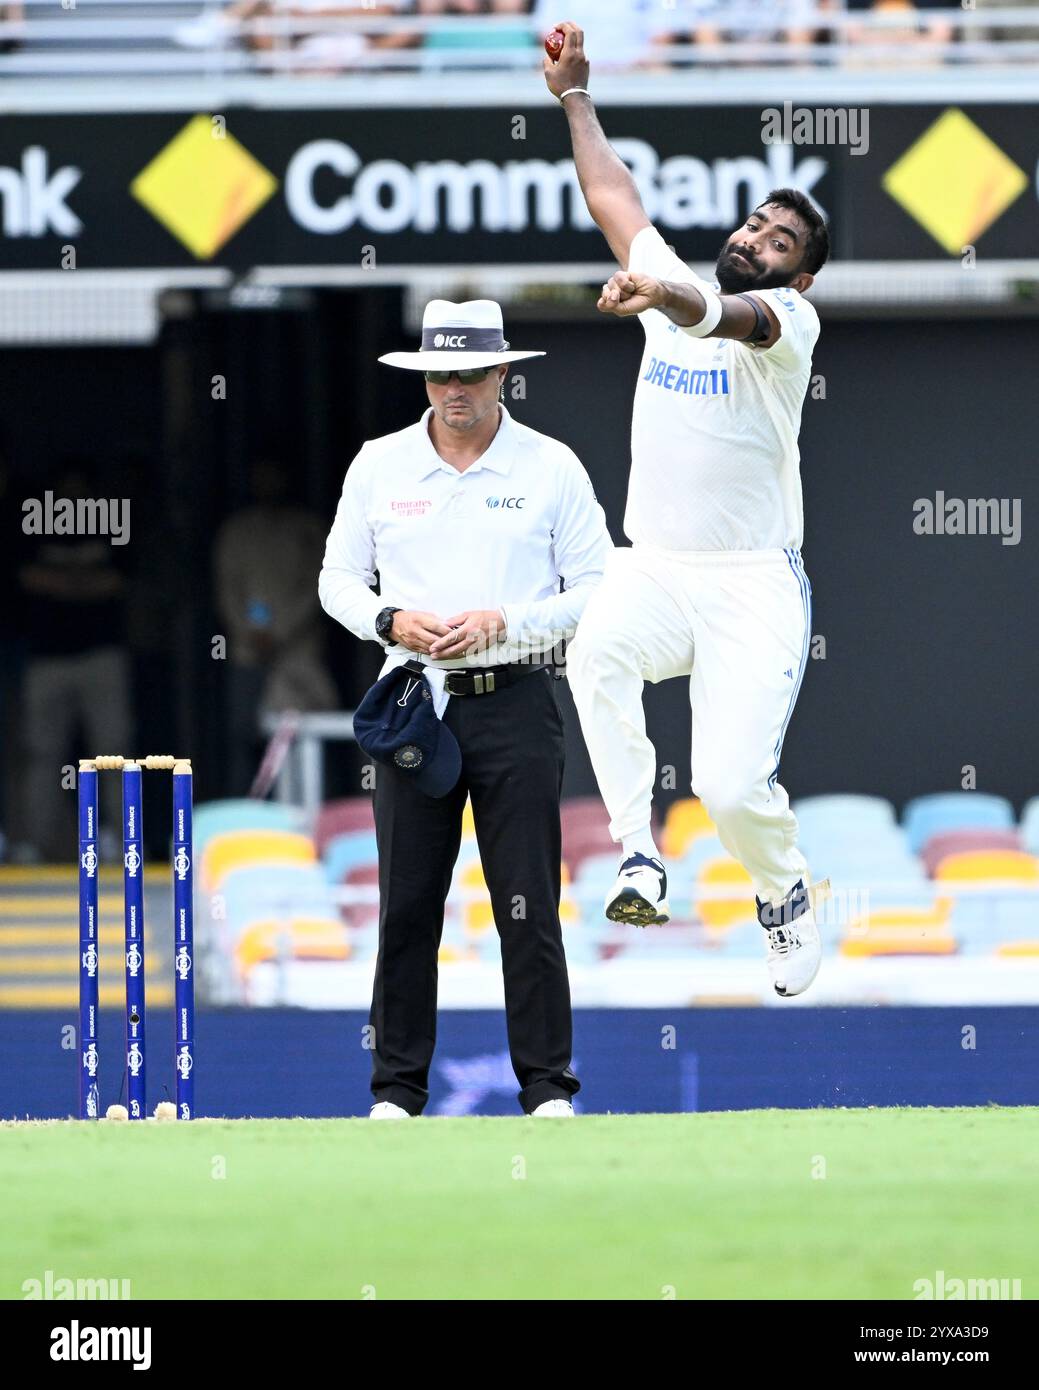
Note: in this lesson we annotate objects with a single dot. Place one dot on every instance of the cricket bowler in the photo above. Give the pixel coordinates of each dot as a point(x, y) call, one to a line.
point(712, 587)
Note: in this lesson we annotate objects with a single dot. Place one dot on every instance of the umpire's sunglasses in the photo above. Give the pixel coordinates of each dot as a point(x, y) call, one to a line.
point(467, 378)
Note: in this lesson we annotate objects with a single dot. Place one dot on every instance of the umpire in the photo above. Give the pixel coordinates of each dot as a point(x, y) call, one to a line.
point(487, 540)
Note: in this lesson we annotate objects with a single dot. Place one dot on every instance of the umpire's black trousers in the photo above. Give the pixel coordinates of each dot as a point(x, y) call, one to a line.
point(512, 768)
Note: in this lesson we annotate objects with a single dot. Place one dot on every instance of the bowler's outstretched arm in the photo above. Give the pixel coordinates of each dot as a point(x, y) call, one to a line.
point(606, 182)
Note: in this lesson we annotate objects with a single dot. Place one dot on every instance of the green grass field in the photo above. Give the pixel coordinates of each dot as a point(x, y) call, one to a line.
point(709, 1206)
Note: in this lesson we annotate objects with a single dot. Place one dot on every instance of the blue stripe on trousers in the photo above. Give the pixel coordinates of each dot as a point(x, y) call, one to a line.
point(797, 566)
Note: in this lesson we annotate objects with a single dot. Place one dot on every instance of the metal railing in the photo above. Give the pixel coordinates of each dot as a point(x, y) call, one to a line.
point(94, 38)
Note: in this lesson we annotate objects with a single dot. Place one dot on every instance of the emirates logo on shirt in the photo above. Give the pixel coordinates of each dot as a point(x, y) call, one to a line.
point(411, 508)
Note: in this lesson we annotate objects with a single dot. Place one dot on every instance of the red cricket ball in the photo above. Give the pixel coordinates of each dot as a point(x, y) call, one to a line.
point(554, 44)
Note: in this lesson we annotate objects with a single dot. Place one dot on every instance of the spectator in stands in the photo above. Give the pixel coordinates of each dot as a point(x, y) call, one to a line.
point(915, 40)
point(712, 23)
point(333, 51)
point(12, 13)
point(267, 559)
point(1023, 33)
point(497, 43)
point(71, 589)
point(618, 33)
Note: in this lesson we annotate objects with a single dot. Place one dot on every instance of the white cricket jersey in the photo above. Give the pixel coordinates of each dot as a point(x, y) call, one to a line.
point(714, 427)
point(518, 530)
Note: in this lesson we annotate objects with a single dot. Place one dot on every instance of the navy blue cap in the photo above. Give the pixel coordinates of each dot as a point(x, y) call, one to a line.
point(396, 724)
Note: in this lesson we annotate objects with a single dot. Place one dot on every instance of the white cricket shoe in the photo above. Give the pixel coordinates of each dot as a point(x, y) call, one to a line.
point(386, 1110)
point(794, 949)
point(554, 1109)
point(639, 896)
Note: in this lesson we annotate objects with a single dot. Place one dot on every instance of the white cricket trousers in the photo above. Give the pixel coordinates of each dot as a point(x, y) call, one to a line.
point(738, 624)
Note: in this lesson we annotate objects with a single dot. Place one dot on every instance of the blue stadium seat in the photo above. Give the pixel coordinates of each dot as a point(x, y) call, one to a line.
point(261, 891)
point(849, 810)
point(349, 851)
point(1030, 826)
point(942, 811)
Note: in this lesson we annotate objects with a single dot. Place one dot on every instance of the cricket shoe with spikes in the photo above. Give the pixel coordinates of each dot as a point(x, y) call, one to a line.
point(794, 949)
point(639, 896)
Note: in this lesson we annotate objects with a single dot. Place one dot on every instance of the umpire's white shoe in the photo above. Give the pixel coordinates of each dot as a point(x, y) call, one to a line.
point(554, 1109)
point(639, 896)
point(794, 949)
point(386, 1110)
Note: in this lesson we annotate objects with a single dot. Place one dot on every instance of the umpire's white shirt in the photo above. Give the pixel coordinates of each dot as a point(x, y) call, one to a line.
point(506, 533)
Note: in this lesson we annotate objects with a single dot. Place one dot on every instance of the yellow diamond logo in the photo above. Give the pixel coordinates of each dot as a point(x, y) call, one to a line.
point(203, 186)
point(955, 181)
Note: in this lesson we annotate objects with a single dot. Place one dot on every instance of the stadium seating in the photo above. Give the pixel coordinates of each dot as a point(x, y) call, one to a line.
point(297, 938)
point(353, 850)
point(850, 812)
point(1030, 826)
point(721, 912)
point(953, 880)
point(900, 932)
point(230, 851)
point(585, 829)
point(944, 811)
point(341, 817)
point(686, 820)
point(1002, 866)
point(363, 880)
point(218, 817)
point(949, 842)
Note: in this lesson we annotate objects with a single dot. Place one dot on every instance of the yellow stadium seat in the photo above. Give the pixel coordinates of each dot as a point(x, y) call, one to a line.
point(1018, 948)
point(718, 913)
point(686, 821)
point(238, 848)
point(901, 931)
point(477, 913)
point(300, 938)
point(1002, 865)
point(450, 954)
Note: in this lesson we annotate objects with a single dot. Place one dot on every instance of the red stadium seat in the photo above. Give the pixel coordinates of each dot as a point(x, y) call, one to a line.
point(341, 818)
point(939, 847)
point(586, 830)
point(362, 914)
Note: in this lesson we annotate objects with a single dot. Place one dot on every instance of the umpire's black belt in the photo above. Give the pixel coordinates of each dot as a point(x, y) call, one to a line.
point(482, 680)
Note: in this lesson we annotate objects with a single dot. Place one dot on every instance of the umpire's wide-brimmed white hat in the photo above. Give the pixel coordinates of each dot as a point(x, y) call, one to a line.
point(456, 337)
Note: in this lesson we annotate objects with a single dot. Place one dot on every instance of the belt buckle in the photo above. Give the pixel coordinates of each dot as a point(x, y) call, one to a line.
point(449, 687)
point(482, 682)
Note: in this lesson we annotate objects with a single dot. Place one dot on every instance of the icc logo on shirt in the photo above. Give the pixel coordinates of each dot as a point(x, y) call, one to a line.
point(513, 503)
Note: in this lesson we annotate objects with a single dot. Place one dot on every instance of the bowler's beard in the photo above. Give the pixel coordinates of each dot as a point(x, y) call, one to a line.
point(736, 276)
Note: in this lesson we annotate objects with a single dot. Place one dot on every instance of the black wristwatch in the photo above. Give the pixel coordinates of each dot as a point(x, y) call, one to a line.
point(384, 626)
